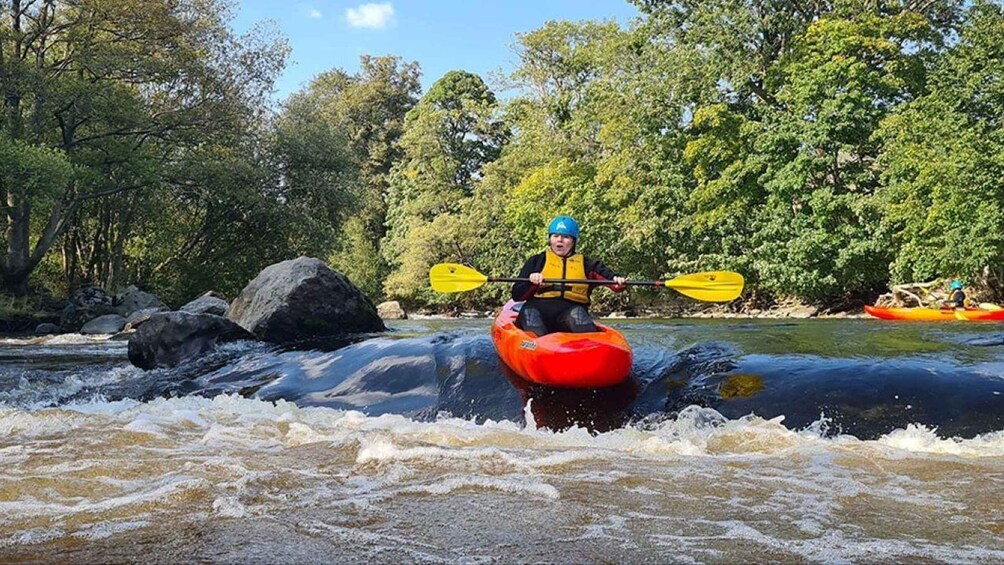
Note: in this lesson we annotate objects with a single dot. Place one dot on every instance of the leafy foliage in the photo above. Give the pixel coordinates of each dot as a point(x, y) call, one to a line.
point(823, 149)
point(942, 161)
point(133, 96)
point(449, 136)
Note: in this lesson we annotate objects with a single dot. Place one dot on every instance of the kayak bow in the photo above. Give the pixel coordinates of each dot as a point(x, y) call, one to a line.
point(572, 360)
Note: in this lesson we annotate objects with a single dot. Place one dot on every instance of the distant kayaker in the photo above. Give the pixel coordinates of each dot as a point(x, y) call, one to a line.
point(562, 307)
point(957, 299)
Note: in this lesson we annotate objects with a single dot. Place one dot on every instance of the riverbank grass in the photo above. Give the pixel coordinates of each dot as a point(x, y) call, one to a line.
point(19, 306)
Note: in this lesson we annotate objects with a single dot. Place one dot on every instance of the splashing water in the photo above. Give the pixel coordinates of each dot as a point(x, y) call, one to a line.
point(416, 447)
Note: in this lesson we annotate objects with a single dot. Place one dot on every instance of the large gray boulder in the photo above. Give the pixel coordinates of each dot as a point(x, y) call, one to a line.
point(301, 299)
point(47, 328)
point(208, 303)
point(107, 324)
point(85, 305)
point(169, 338)
point(133, 299)
point(140, 316)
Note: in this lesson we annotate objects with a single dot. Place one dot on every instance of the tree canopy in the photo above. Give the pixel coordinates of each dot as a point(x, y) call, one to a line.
point(823, 149)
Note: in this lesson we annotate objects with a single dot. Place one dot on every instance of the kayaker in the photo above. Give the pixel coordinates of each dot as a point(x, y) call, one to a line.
point(957, 299)
point(560, 308)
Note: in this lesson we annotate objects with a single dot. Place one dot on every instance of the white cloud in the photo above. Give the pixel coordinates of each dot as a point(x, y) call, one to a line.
point(373, 16)
point(307, 10)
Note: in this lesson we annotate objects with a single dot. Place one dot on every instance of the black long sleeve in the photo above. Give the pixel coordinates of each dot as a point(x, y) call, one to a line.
point(596, 267)
point(523, 290)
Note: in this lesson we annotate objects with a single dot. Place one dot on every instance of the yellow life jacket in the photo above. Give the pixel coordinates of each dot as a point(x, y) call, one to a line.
point(573, 267)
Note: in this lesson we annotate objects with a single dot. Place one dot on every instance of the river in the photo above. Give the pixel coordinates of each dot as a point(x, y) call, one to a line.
point(733, 441)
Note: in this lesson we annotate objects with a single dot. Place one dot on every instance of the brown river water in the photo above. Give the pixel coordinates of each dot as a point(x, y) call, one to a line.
point(89, 473)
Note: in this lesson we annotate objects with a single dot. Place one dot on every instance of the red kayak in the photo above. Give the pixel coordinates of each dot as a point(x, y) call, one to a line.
point(572, 360)
point(935, 315)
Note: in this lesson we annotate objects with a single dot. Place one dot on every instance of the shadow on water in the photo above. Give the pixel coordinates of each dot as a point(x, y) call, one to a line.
point(461, 376)
point(860, 379)
point(865, 398)
point(558, 409)
point(421, 377)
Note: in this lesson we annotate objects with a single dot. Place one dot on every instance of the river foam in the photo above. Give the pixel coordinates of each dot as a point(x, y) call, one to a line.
point(138, 467)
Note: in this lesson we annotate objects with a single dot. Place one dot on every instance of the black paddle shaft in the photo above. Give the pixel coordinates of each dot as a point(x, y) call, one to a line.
point(578, 281)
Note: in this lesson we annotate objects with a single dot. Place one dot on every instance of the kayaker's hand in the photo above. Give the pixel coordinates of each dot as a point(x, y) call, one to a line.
point(536, 278)
point(619, 284)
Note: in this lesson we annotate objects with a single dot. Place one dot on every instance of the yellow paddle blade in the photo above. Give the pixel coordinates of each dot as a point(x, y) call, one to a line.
point(454, 277)
point(990, 306)
point(715, 286)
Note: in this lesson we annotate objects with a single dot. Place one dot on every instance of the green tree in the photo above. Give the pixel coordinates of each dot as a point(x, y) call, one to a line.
point(784, 99)
point(943, 160)
point(224, 217)
point(450, 135)
point(368, 108)
point(123, 90)
point(317, 176)
point(817, 236)
point(727, 50)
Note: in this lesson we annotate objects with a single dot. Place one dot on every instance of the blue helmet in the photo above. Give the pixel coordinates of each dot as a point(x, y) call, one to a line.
point(564, 225)
point(956, 285)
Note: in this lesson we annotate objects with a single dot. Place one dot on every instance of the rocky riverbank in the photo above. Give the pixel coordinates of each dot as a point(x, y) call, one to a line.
point(291, 301)
point(785, 309)
point(94, 311)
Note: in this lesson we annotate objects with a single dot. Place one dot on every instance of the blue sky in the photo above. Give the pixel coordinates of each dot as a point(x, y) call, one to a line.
point(442, 35)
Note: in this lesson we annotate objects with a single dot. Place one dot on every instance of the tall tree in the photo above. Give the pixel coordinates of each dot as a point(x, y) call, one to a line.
point(121, 89)
point(449, 137)
point(369, 109)
point(780, 101)
point(943, 161)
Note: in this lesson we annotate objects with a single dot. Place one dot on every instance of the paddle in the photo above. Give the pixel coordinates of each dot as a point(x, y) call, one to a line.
point(716, 286)
point(985, 306)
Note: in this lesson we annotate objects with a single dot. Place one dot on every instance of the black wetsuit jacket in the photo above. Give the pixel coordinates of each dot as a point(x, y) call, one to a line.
point(957, 299)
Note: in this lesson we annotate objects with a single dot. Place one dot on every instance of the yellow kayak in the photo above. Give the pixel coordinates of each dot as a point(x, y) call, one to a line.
point(935, 315)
